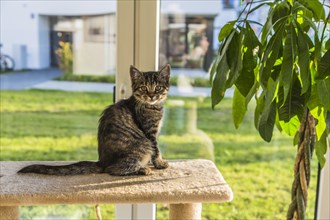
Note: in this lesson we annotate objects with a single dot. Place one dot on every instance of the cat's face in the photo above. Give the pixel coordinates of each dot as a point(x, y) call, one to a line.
point(150, 87)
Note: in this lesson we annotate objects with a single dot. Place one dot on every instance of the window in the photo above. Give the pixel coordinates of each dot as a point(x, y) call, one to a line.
point(228, 4)
point(188, 41)
point(38, 123)
point(59, 125)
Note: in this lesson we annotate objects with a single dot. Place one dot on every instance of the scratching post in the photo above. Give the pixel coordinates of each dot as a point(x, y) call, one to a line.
point(9, 213)
point(180, 185)
point(191, 211)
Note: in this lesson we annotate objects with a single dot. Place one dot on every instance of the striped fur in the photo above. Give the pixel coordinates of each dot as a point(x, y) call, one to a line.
point(127, 132)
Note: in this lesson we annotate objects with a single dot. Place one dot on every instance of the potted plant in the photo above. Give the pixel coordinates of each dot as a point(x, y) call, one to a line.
point(287, 71)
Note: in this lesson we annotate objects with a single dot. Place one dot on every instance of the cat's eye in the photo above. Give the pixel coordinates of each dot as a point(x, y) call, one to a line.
point(143, 88)
point(157, 88)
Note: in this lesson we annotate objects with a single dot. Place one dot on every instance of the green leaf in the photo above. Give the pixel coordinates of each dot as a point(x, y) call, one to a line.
point(246, 78)
point(327, 44)
point(214, 67)
point(288, 60)
point(245, 82)
point(258, 110)
point(321, 148)
point(234, 58)
point(225, 30)
point(303, 61)
point(252, 44)
point(267, 122)
point(296, 139)
point(310, 22)
point(318, 48)
point(253, 91)
point(224, 46)
point(270, 3)
point(313, 100)
point(271, 55)
point(301, 11)
point(317, 8)
point(322, 131)
point(267, 26)
point(297, 6)
point(219, 82)
point(293, 105)
point(277, 123)
point(323, 88)
point(292, 126)
point(276, 70)
point(321, 125)
point(324, 66)
point(239, 108)
point(281, 11)
point(271, 92)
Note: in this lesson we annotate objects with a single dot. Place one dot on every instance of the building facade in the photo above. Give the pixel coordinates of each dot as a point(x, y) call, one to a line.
point(31, 32)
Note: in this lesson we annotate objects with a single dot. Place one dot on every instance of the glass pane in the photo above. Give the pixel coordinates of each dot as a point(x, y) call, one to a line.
point(259, 173)
point(47, 113)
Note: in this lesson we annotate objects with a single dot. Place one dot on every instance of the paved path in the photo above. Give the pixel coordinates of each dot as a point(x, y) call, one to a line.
point(27, 79)
point(42, 79)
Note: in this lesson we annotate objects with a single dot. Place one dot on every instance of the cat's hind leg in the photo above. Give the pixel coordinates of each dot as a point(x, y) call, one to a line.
point(130, 166)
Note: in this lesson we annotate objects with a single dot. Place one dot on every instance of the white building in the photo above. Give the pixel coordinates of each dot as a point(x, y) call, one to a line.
point(31, 30)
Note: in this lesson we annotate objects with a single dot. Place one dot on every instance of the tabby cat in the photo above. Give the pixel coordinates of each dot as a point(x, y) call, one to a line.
point(127, 132)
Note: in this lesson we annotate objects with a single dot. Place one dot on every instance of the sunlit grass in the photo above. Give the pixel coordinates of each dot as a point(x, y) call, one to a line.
point(54, 125)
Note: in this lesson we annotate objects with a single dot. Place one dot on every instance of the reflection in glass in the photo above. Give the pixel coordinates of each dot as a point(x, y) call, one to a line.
point(258, 172)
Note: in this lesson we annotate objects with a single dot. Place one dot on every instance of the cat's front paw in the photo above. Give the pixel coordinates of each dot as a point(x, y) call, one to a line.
point(160, 164)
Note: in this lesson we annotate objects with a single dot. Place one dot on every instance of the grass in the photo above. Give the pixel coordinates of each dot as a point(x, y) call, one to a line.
point(13, 71)
point(56, 125)
point(174, 81)
point(87, 78)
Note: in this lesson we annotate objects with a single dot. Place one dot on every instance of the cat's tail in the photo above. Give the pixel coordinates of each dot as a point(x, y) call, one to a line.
point(82, 167)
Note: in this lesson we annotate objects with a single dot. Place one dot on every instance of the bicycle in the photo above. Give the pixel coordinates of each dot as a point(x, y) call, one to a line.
point(6, 62)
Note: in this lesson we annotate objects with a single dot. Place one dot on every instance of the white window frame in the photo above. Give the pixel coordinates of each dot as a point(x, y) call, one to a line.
point(137, 44)
point(323, 211)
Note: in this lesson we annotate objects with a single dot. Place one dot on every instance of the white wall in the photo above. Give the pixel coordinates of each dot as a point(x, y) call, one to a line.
point(44, 41)
point(19, 27)
point(26, 23)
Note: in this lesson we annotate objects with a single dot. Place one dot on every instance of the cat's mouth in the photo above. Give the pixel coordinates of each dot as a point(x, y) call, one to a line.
point(152, 102)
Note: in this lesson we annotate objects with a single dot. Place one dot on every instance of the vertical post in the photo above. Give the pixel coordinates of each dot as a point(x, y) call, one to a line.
point(9, 213)
point(186, 211)
point(124, 211)
point(137, 44)
point(323, 211)
point(144, 211)
point(146, 49)
point(125, 47)
point(146, 34)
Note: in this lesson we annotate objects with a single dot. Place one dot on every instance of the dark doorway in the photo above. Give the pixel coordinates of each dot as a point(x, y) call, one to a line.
point(55, 38)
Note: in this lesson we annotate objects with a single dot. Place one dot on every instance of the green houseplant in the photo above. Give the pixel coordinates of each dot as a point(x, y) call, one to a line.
point(287, 71)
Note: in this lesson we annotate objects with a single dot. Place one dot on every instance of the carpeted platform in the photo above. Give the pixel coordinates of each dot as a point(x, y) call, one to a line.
point(190, 181)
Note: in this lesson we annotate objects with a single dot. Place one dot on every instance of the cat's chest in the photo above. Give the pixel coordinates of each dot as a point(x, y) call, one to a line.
point(150, 117)
point(151, 114)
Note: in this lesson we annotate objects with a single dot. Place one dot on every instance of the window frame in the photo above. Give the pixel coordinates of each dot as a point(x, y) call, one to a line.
point(141, 50)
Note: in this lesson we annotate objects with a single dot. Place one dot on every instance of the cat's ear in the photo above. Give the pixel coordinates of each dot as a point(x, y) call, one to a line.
point(165, 72)
point(135, 73)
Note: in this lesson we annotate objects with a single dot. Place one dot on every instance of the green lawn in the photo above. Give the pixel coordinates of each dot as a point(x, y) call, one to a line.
point(197, 81)
point(55, 125)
